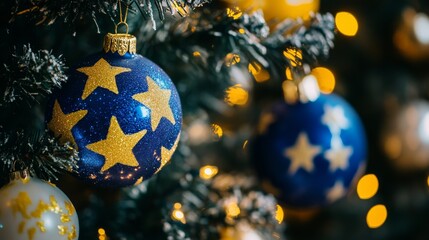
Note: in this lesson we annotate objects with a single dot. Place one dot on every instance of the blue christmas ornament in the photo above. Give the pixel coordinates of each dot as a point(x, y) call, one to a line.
point(121, 111)
point(310, 153)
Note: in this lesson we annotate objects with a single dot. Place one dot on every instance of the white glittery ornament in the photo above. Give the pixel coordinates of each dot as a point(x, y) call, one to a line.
point(36, 210)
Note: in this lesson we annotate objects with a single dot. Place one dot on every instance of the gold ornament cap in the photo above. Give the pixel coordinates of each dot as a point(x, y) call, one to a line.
point(120, 42)
point(17, 175)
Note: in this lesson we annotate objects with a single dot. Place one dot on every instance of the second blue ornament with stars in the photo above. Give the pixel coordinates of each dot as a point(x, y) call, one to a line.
point(121, 111)
point(310, 153)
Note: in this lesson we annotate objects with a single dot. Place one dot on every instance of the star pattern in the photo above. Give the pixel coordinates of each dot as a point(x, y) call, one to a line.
point(166, 154)
point(157, 100)
point(302, 154)
point(117, 148)
point(335, 119)
point(101, 74)
point(62, 124)
point(336, 192)
point(338, 157)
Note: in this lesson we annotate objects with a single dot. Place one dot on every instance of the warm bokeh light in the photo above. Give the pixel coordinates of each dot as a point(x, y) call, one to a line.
point(177, 205)
point(280, 214)
point(290, 91)
point(208, 172)
point(428, 180)
point(232, 210)
point(234, 13)
point(393, 146)
point(325, 79)
point(196, 54)
point(232, 59)
point(101, 234)
point(308, 89)
point(258, 72)
point(346, 24)
point(236, 95)
point(367, 186)
point(245, 144)
point(294, 55)
point(288, 73)
point(376, 216)
point(178, 215)
point(217, 130)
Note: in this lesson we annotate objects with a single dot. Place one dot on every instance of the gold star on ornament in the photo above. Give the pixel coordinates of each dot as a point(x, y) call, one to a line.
point(338, 157)
point(117, 147)
point(335, 119)
point(302, 154)
point(157, 100)
point(336, 192)
point(103, 75)
point(166, 154)
point(61, 124)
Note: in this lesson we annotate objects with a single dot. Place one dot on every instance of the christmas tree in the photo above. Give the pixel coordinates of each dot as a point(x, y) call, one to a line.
point(224, 119)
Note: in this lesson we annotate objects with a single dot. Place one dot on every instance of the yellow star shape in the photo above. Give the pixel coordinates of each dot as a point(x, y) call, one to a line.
point(117, 147)
point(157, 100)
point(166, 154)
point(61, 124)
point(101, 74)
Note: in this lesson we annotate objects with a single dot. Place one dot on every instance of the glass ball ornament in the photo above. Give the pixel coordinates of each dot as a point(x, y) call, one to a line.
point(121, 111)
point(405, 138)
point(309, 154)
point(36, 210)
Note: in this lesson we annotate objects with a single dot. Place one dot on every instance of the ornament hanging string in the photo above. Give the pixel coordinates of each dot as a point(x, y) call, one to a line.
point(122, 20)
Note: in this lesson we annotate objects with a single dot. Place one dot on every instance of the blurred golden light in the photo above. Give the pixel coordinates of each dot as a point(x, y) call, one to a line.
point(376, 216)
point(177, 205)
point(428, 180)
point(236, 95)
point(290, 91)
point(101, 234)
point(245, 144)
point(325, 79)
point(234, 13)
point(280, 214)
point(288, 74)
point(232, 210)
point(208, 172)
point(196, 54)
point(101, 231)
point(258, 72)
point(178, 215)
point(241, 30)
point(367, 186)
point(393, 146)
point(217, 130)
point(232, 59)
point(294, 55)
point(346, 23)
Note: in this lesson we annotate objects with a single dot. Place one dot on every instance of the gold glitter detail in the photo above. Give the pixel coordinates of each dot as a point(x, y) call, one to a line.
point(62, 230)
point(117, 147)
point(121, 43)
point(52, 184)
point(21, 227)
point(65, 218)
point(166, 154)
point(157, 100)
point(70, 208)
point(140, 180)
point(72, 234)
point(31, 233)
point(101, 74)
point(61, 124)
point(41, 226)
point(20, 204)
point(54, 207)
point(40, 209)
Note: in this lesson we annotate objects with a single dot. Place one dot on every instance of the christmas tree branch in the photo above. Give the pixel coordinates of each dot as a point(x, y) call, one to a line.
point(41, 153)
point(73, 11)
point(29, 75)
